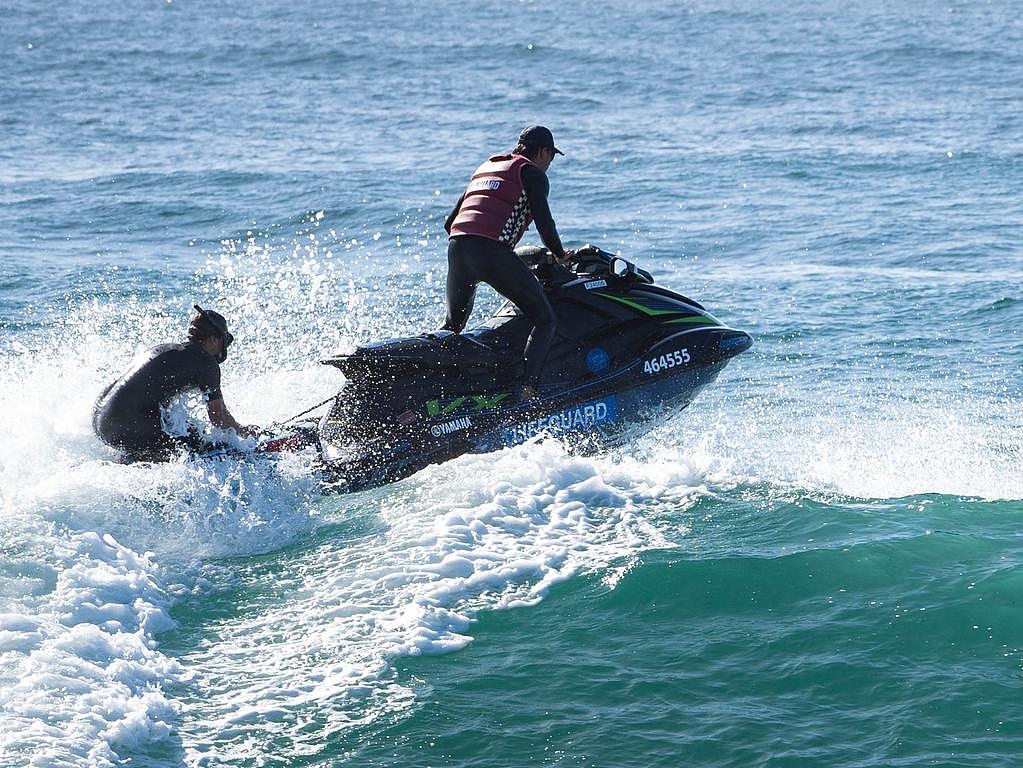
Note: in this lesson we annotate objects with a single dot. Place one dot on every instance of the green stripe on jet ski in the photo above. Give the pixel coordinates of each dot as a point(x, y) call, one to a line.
point(695, 319)
point(636, 305)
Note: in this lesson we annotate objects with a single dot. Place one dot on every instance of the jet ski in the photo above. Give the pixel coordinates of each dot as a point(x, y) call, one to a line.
point(626, 350)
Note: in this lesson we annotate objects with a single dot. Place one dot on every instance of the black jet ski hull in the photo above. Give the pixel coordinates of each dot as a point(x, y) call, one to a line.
point(598, 413)
point(628, 354)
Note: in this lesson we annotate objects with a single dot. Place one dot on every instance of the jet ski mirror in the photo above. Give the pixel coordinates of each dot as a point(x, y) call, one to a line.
point(620, 267)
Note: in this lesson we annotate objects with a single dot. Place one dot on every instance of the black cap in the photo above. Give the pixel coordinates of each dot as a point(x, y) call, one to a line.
point(205, 323)
point(538, 136)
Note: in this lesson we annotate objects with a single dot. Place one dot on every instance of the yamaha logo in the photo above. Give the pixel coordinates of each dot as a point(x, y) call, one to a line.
point(450, 426)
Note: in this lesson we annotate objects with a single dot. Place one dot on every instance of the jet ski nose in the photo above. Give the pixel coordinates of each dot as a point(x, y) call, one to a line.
point(732, 343)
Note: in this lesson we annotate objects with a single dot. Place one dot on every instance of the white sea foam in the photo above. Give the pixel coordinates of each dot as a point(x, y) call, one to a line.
point(80, 671)
point(96, 553)
point(446, 548)
point(869, 445)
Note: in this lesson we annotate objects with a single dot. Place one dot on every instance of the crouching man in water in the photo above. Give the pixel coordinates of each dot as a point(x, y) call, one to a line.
point(127, 413)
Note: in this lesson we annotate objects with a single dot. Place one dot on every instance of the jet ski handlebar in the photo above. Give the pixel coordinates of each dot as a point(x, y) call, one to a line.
point(588, 260)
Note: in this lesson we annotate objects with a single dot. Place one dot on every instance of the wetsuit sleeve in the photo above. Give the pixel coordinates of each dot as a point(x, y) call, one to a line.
point(537, 188)
point(451, 216)
point(214, 392)
point(210, 382)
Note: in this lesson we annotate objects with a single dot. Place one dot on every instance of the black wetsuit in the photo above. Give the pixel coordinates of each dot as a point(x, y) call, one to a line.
point(473, 260)
point(127, 413)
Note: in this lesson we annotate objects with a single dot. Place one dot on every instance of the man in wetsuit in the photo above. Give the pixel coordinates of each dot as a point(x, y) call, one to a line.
point(127, 413)
point(504, 196)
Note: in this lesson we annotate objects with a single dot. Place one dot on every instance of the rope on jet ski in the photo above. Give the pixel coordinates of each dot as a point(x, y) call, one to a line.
point(307, 410)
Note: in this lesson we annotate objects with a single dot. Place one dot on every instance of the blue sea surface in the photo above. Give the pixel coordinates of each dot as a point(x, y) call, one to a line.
point(818, 563)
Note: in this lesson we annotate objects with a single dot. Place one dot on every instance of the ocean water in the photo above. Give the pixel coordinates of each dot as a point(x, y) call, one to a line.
point(819, 563)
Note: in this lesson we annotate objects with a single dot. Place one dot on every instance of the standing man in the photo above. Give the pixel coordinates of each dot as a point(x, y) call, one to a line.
point(127, 413)
point(504, 196)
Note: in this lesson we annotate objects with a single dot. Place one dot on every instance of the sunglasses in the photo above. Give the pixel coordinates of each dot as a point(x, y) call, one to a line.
point(225, 334)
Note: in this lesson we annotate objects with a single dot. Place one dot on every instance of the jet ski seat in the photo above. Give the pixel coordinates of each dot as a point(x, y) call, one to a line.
point(433, 351)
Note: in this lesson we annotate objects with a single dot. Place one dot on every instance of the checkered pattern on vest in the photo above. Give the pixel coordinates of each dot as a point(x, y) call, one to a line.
point(518, 220)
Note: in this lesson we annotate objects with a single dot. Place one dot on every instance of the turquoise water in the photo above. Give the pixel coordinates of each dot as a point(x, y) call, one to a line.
point(818, 563)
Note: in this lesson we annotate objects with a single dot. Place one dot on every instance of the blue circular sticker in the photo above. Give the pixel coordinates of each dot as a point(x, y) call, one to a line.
point(597, 360)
